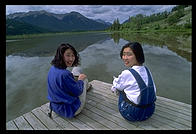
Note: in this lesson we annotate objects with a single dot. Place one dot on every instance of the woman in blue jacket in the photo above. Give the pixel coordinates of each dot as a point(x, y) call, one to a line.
point(66, 95)
point(135, 85)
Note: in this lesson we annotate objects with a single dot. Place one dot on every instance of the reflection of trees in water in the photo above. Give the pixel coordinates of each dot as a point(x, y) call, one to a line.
point(182, 53)
point(116, 37)
point(182, 48)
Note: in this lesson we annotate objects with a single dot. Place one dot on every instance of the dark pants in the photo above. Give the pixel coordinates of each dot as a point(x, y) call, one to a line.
point(133, 113)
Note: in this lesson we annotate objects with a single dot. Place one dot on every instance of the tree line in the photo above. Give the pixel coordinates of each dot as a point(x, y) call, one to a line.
point(143, 22)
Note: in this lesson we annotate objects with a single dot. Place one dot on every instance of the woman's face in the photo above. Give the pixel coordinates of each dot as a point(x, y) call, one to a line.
point(129, 57)
point(69, 57)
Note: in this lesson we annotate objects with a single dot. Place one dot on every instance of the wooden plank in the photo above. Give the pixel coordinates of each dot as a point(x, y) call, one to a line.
point(144, 124)
point(188, 112)
point(169, 104)
point(11, 125)
point(65, 125)
point(176, 115)
point(45, 119)
point(181, 104)
point(111, 117)
point(69, 123)
point(174, 118)
point(176, 107)
point(34, 122)
point(156, 123)
point(79, 124)
point(101, 113)
point(91, 122)
point(101, 120)
point(95, 98)
point(169, 122)
point(105, 84)
point(103, 95)
point(172, 103)
point(22, 124)
point(73, 124)
point(174, 111)
point(46, 110)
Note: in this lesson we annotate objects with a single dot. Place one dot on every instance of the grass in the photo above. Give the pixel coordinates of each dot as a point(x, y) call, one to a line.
point(27, 36)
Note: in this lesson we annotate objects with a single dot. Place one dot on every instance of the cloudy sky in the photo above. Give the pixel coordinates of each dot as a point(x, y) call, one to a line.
point(105, 12)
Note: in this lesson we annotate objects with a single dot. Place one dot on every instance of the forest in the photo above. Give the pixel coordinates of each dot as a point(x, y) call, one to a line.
point(179, 19)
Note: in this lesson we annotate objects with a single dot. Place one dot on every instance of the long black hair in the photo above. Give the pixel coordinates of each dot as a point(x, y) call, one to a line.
point(58, 60)
point(137, 50)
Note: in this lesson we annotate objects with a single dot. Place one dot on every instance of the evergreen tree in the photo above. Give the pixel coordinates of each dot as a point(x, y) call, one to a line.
point(115, 25)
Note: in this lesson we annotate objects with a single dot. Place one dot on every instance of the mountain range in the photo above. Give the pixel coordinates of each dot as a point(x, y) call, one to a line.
point(43, 22)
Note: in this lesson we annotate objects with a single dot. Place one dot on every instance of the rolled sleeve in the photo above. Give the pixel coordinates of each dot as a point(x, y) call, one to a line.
point(120, 83)
point(75, 88)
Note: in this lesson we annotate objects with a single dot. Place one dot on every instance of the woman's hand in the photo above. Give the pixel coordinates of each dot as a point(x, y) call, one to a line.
point(82, 77)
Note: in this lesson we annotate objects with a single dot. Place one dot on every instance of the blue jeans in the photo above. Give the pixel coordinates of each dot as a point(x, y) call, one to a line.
point(133, 113)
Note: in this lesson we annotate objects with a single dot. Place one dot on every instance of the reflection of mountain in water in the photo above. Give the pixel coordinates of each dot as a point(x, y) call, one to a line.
point(102, 61)
point(46, 46)
point(103, 58)
point(26, 86)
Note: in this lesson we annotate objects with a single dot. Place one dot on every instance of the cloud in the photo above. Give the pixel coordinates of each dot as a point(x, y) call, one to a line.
point(101, 10)
point(125, 8)
point(95, 6)
point(105, 12)
point(35, 8)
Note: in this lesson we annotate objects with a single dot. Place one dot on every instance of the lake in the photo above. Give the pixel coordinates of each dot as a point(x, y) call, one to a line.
point(28, 63)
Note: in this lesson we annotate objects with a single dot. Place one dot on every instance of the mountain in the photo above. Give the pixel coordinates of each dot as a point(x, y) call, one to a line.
point(14, 27)
point(102, 21)
point(52, 22)
point(126, 21)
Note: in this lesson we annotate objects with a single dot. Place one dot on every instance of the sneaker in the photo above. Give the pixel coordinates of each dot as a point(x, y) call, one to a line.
point(89, 87)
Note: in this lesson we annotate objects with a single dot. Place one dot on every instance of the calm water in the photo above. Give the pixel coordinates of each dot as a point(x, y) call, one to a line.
point(28, 62)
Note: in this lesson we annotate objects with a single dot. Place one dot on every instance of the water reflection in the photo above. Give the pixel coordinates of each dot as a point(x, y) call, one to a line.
point(116, 37)
point(26, 86)
point(178, 44)
point(47, 45)
point(172, 73)
point(102, 60)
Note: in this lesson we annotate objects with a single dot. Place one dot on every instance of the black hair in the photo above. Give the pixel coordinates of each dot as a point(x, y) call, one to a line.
point(58, 60)
point(137, 50)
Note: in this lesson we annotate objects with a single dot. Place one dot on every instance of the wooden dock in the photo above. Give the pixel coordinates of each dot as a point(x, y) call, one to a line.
point(101, 113)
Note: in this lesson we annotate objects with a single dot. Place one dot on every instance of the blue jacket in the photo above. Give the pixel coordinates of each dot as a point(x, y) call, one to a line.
point(63, 92)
